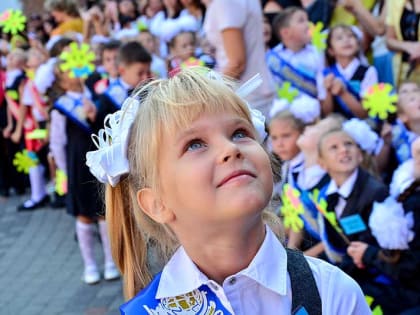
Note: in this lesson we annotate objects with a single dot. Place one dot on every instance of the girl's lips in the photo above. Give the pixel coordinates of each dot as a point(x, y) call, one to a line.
point(234, 175)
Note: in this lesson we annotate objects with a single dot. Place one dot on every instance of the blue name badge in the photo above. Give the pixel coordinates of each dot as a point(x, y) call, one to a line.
point(300, 311)
point(352, 224)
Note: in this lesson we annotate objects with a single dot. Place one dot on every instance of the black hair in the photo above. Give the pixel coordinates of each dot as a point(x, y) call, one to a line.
point(132, 52)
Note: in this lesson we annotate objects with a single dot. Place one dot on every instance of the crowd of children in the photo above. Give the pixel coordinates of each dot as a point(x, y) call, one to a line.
point(202, 185)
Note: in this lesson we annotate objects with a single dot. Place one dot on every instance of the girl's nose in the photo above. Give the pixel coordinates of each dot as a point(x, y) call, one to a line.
point(230, 151)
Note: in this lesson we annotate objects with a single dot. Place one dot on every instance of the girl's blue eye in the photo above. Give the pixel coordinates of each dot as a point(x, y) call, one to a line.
point(240, 134)
point(195, 145)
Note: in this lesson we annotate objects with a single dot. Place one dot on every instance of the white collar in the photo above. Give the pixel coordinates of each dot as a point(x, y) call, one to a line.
point(345, 189)
point(351, 68)
point(268, 268)
point(296, 164)
point(78, 95)
point(125, 85)
point(310, 176)
point(11, 76)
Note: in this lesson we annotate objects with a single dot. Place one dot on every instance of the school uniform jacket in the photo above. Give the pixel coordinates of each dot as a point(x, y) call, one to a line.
point(366, 191)
point(404, 274)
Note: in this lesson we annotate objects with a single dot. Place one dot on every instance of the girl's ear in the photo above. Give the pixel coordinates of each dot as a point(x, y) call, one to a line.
point(149, 202)
point(330, 52)
point(121, 69)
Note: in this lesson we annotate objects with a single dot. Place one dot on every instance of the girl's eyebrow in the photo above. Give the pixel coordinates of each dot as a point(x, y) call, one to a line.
point(203, 128)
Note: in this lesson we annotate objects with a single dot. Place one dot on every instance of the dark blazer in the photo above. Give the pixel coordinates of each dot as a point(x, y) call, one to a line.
point(367, 189)
point(405, 272)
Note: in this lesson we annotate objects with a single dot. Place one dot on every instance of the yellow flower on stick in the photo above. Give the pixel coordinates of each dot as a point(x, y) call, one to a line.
point(321, 205)
point(291, 209)
point(319, 38)
point(60, 182)
point(25, 160)
point(12, 94)
point(78, 60)
point(287, 92)
point(379, 100)
point(37, 134)
point(377, 309)
point(192, 62)
point(12, 21)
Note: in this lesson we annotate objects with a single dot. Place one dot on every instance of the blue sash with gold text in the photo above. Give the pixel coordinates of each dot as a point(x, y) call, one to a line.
point(286, 72)
point(201, 301)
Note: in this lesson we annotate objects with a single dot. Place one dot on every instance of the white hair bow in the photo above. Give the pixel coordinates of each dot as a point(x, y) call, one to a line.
point(109, 162)
point(365, 137)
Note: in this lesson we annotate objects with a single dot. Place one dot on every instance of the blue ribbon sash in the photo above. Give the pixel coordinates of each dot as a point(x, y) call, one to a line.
point(73, 109)
point(202, 301)
point(116, 93)
point(286, 72)
point(353, 87)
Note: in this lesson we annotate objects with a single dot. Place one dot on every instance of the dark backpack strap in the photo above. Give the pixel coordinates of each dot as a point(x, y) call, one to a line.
point(305, 293)
point(359, 74)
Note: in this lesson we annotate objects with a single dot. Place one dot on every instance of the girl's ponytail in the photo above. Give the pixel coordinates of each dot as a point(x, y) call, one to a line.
point(128, 245)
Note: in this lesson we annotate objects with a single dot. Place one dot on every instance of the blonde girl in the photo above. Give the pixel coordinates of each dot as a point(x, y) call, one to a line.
point(188, 171)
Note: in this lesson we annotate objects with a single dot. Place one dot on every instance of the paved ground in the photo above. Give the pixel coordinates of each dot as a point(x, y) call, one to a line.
point(41, 266)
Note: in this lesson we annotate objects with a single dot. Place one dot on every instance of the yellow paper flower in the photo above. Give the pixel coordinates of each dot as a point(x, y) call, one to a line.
point(141, 26)
point(321, 204)
point(37, 134)
point(12, 21)
point(60, 182)
point(192, 62)
point(379, 100)
point(13, 94)
point(377, 310)
point(291, 208)
point(78, 60)
point(30, 73)
point(319, 38)
point(287, 92)
point(25, 160)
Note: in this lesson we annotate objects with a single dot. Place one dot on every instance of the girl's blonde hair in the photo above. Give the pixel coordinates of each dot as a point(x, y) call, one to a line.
point(288, 116)
point(166, 105)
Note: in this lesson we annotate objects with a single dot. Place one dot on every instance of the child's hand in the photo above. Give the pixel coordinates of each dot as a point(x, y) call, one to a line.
point(386, 133)
point(16, 135)
point(7, 131)
point(90, 109)
point(337, 87)
point(328, 81)
point(350, 5)
point(413, 49)
point(356, 251)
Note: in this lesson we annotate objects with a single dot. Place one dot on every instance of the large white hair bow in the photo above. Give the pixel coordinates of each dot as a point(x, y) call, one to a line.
point(365, 137)
point(391, 227)
point(304, 108)
point(110, 162)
